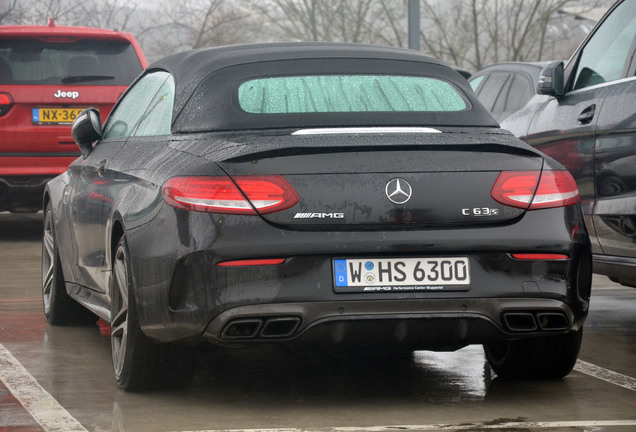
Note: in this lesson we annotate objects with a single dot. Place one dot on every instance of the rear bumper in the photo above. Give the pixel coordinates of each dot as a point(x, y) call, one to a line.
point(22, 194)
point(22, 179)
point(35, 164)
point(441, 324)
point(184, 295)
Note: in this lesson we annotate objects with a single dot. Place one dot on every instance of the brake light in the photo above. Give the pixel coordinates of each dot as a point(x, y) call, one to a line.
point(534, 190)
point(59, 39)
point(248, 195)
point(6, 103)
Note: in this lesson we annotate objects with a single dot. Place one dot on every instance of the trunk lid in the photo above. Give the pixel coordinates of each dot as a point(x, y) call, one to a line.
point(387, 181)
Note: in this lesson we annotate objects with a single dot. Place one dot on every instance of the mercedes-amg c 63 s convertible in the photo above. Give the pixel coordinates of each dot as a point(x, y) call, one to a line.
point(332, 197)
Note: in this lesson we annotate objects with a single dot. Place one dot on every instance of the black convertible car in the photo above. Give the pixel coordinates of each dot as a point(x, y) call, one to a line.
point(331, 197)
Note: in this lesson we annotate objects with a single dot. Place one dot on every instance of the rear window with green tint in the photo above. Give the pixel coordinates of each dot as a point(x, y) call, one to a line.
point(349, 94)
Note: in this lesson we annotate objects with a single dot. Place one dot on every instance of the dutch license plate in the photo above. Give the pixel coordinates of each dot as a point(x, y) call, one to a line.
point(401, 274)
point(55, 115)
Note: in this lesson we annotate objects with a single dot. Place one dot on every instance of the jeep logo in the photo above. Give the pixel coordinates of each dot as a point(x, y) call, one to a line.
point(63, 94)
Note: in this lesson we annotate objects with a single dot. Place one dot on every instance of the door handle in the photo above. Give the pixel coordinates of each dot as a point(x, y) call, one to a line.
point(587, 114)
point(101, 168)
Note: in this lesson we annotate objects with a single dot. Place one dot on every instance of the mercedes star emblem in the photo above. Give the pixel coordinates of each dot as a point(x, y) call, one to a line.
point(398, 191)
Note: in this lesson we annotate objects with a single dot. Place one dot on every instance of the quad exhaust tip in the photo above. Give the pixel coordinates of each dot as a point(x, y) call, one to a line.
point(536, 321)
point(242, 329)
point(261, 328)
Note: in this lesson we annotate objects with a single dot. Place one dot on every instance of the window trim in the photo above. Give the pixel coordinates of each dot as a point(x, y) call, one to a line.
point(123, 97)
point(574, 62)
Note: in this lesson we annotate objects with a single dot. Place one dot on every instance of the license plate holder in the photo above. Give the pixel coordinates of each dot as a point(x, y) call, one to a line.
point(55, 116)
point(353, 275)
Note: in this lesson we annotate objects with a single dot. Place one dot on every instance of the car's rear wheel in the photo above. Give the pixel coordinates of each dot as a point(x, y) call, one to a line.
point(547, 357)
point(59, 307)
point(139, 363)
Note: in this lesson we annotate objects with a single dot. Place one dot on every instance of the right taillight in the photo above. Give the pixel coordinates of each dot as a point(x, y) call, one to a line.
point(534, 190)
point(5, 103)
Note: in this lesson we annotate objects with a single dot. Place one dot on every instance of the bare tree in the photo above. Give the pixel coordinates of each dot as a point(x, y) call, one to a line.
point(10, 12)
point(446, 33)
point(189, 24)
point(475, 33)
point(205, 22)
point(467, 33)
point(366, 21)
point(114, 14)
point(39, 11)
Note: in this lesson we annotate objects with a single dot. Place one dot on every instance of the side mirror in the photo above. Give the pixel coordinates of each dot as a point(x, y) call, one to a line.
point(87, 128)
point(552, 80)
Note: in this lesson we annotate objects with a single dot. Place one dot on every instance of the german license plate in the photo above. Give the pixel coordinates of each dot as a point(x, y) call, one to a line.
point(55, 115)
point(401, 274)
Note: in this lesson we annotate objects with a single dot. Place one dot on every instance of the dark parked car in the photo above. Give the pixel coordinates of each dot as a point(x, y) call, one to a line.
point(504, 88)
point(330, 197)
point(586, 119)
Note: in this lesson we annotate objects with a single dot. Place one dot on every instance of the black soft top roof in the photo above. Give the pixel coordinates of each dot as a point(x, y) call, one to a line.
point(218, 65)
point(190, 67)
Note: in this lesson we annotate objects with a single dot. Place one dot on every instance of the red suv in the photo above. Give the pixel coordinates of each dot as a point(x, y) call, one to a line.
point(48, 74)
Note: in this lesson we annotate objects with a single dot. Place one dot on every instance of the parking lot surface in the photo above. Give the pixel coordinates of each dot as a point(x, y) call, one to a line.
point(60, 378)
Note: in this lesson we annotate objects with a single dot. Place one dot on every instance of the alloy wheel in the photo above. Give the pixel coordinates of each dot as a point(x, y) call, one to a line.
point(119, 321)
point(48, 262)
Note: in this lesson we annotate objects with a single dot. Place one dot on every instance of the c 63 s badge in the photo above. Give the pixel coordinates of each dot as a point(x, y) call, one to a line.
point(480, 211)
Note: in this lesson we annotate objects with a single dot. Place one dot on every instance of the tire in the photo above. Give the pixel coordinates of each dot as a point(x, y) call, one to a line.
point(59, 307)
point(547, 357)
point(139, 363)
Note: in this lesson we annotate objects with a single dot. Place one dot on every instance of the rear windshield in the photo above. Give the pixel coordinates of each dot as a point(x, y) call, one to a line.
point(84, 62)
point(348, 94)
point(324, 92)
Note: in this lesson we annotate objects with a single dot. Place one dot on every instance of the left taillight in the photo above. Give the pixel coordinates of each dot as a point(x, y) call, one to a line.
point(249, 195)
point(532, 190)
point(6, 103)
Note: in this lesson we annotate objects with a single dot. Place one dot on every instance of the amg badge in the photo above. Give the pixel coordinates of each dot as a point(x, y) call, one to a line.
point(319, 216)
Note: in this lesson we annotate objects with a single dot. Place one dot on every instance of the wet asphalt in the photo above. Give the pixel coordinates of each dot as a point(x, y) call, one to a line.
point(60, 378)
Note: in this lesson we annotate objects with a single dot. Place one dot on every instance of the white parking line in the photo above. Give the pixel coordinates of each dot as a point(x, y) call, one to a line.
point(606, 375)
point(37, 401)
point(508, 426)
